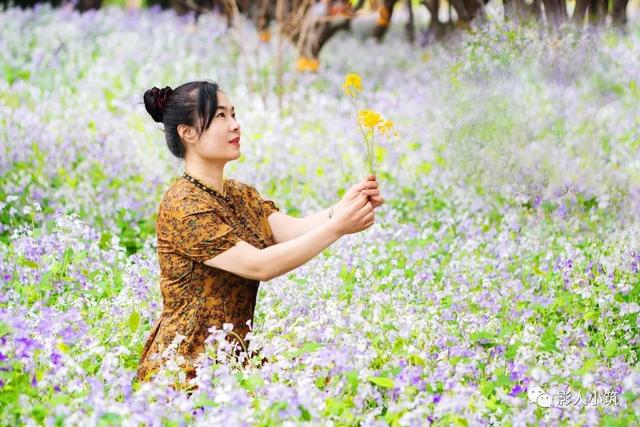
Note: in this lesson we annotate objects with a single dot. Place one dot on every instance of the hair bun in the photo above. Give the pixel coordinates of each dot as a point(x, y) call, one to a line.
point(155, 101)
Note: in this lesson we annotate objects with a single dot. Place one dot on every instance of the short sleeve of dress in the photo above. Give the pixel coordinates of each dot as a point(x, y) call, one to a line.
point(199, 233)
point(268, 206)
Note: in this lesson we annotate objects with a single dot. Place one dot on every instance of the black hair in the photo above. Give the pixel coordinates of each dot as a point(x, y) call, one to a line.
point(192, 104)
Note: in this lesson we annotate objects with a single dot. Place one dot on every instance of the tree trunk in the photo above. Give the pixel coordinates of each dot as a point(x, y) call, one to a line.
point(84, 5)
point(580, 11)
point(461, 10)
point(555, 11)
point(263, 17)
point(509, 9)
point(619, 13)
point(411, 27)
point(324, 31)
point(515, 10)
point(598, 11)
point(437, 29)
point(473, 8)
point(386, 12)
point(358, 5)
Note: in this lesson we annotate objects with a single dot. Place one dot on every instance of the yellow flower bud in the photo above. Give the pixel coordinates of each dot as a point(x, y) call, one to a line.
point(369, 118)
point(264, 36)
point(307, 64)
point(385, 126)
point(352, 84)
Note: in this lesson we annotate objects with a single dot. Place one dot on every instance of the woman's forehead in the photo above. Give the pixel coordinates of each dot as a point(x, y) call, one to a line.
point(223, 100)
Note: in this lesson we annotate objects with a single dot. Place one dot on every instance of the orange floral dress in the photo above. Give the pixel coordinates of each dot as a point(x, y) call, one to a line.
point(196, 223)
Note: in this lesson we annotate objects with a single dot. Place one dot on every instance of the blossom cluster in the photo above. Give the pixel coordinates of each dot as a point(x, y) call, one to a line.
point(505, 260)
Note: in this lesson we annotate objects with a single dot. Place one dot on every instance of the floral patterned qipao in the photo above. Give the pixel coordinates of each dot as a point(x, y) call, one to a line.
point(196, 223)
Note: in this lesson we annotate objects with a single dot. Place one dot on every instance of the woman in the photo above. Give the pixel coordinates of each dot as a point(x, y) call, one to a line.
point(217, 238)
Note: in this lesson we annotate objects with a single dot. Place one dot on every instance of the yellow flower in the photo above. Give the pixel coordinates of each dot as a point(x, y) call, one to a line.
point(385, 126)
point(352, 84)
point(264, 36)
point(383, 17)
point(369, 118)
point(307, 64)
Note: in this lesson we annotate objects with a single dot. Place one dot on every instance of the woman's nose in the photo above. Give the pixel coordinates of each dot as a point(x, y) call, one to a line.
point(235, 124)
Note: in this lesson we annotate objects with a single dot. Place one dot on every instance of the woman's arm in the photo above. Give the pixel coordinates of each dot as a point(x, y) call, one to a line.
point(265, 264)
point(286, 227)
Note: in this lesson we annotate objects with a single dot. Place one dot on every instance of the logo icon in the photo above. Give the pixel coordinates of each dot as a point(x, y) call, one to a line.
point(538, 396)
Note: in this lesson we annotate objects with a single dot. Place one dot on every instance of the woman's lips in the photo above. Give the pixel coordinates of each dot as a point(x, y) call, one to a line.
point(235, 141)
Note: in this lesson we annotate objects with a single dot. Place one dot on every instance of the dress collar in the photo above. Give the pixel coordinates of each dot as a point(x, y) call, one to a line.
point(208, 188)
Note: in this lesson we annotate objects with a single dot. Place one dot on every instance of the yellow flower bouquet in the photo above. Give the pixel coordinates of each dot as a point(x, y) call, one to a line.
point(369, 121)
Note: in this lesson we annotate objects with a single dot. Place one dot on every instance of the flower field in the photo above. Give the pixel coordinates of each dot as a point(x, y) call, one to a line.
point(505, 260)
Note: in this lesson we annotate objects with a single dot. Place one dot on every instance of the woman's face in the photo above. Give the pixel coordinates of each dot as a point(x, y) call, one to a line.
point(222, 140)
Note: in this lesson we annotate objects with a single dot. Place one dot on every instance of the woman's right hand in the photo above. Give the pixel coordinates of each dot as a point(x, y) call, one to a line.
point(357, 215)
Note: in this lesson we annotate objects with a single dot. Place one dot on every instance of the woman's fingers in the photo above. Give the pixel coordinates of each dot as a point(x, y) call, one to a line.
point(368, 186)
point(369, 178)
point(371, 192)
point(360, 187)
point(353, 191)
point(377, 202)
point(359, 202)
point(364, 210)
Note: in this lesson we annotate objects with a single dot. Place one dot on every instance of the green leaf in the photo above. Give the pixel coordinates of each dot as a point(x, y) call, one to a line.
point(381, 381)
point(252, 382)
point(27, 263)
point(320, 382)
point(587, 367)
point(334, 406)
point(446, 301)
point(416, 360)
point(511, 351)
point(487, 389)
point(425, 167)
point(5, 329)
point(305, 415)
point(549, 339)
point(352, 380)
point(483, 338)
point(503, 380)
point(507, 330)
point(611, 349)
point(306, 348)
point(203, 400)
point(134, 321)
point(109, 419)
point(481, 335)
point(398, 347)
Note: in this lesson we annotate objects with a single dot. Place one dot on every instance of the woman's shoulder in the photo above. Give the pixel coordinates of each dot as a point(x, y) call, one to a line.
point(184, 196)
point(241, 188)
point(235, 184)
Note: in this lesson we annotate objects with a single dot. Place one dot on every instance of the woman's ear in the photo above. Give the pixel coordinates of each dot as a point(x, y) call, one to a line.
point(187, 133)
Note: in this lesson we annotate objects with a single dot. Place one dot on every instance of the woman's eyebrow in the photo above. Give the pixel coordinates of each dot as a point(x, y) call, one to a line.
point(224, 107)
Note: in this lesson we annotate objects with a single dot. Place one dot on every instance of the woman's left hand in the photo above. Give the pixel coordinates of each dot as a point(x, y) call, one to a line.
point(374, 192)
point(368, 187)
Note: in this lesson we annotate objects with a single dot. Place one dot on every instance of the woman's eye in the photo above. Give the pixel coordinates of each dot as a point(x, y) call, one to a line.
point(221, 115)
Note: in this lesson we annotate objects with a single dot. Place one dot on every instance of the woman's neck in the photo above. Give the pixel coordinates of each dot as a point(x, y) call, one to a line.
point(210, 174)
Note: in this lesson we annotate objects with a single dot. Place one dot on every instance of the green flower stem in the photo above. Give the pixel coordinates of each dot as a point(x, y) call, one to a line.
point(366, 139)
point(373, 134)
